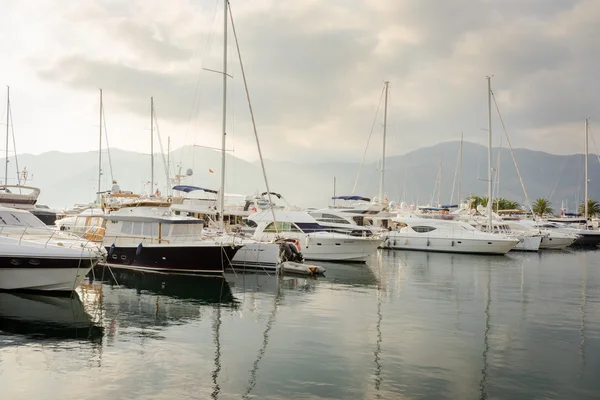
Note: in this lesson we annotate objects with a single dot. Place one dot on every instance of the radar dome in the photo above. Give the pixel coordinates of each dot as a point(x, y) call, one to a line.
point(480, 208)
point(189, 172)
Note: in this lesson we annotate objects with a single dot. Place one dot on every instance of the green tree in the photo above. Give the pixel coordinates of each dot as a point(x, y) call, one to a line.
point(593, 208)
point(542, 207)
point(476, 200)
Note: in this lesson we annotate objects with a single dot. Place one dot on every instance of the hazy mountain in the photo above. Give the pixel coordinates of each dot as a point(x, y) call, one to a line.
point(69, 178)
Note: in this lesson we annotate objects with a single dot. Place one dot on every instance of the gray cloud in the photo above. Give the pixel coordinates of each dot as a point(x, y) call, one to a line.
point(315, 69)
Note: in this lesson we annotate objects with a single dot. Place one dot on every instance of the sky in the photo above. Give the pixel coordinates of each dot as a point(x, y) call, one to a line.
point(315, 73)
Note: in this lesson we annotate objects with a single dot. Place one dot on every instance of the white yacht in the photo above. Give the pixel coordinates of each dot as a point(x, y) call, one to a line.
point(551, 239)
point(429, 234)
point(36, 257)
point(316, 243)
point(345, 221)
point(528, 240)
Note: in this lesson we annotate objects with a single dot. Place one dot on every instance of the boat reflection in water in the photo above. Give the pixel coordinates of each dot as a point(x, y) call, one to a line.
point(202, 289)
point(47, 317)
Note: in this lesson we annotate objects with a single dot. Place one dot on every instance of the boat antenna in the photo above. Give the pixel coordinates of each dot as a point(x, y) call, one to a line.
point(262, 163)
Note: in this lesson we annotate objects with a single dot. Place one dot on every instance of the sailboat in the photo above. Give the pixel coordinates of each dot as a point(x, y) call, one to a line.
point(15, 196)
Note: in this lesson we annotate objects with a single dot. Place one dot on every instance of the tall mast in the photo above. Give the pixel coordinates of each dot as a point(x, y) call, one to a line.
point(224, 142)
point(490, 198)
point(168, 163)
point(586, 170)
point(439, 184)
point(381, 192)
point(460, 167)
point(6, 148)
point(152, 145)
point(100, 146)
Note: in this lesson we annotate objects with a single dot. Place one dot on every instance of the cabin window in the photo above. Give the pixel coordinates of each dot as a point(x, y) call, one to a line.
point(282, 227)
point(150, 229)
point(332, 219)
point(423, 229)
point(251, 224)
point(126, 228)
point(359, 220)
point(308, 227)
point(137, 229)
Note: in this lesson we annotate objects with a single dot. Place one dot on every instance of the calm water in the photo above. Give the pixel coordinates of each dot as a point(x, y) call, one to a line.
point(407, 325)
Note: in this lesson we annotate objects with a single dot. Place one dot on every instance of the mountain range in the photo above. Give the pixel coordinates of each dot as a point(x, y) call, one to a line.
point(70, 178)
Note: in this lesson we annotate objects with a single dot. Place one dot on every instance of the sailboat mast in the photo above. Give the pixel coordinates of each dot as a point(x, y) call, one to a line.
point(381, 192)
point(586, 170)
point(460, 157)
point(490, 199)
point(168, 163)
point(439, 184)
point(6, 148)
point(224, 142)
point(152, 145)
point(100, 146)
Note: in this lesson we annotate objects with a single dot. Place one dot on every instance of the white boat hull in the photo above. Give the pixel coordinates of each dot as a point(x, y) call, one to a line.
point(556, 243)
point(257, 256)
point(528, 243)
point(401, 241)
point(329, 247)
point(43, 279)
point(45, 265)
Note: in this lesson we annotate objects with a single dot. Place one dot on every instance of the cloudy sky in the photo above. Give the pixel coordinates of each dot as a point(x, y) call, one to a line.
point(315, 71)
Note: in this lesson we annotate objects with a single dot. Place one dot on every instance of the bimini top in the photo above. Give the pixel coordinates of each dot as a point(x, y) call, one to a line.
point(188, 189)
point(350, 198)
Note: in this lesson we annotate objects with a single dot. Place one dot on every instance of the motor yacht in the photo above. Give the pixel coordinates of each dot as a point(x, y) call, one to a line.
point(315, 241)
point(36, 257)
point(435, 235)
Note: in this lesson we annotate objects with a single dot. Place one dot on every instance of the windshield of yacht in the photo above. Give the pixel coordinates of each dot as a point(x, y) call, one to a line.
point(308, 227)
point(8, 218)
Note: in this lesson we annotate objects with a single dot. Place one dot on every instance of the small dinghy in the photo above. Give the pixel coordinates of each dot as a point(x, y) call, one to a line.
point(291, 267)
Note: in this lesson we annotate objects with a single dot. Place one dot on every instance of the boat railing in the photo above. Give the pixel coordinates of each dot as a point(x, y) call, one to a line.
point(47, 236)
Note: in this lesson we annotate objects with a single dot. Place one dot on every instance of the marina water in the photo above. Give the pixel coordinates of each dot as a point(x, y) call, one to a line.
point(406, 325)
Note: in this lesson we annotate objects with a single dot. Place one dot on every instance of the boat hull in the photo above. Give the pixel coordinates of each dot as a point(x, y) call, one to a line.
point(556, 243)
point(326, 248)
point(587, 240)
point(43, 274)
point(450, 245)
point(528, 243)
point(257, 256)
point(205, 260)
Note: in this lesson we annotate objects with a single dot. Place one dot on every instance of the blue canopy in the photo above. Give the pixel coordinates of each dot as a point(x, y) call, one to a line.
point(350, 198)
point(450, 206)
point(571, 214)
point(188, 189)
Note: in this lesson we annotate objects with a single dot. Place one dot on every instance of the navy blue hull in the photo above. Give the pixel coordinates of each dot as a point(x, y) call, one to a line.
point(184, 259)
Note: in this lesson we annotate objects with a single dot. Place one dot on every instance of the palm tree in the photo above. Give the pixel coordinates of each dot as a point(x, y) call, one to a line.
point(593, 208)
point(542, 207)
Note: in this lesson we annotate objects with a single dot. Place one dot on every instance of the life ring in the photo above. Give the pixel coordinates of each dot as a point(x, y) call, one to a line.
point(254, 209)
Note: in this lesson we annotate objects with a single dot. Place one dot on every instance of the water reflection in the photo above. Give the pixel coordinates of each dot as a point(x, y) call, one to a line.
point(206, 290)
point(47, 317)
